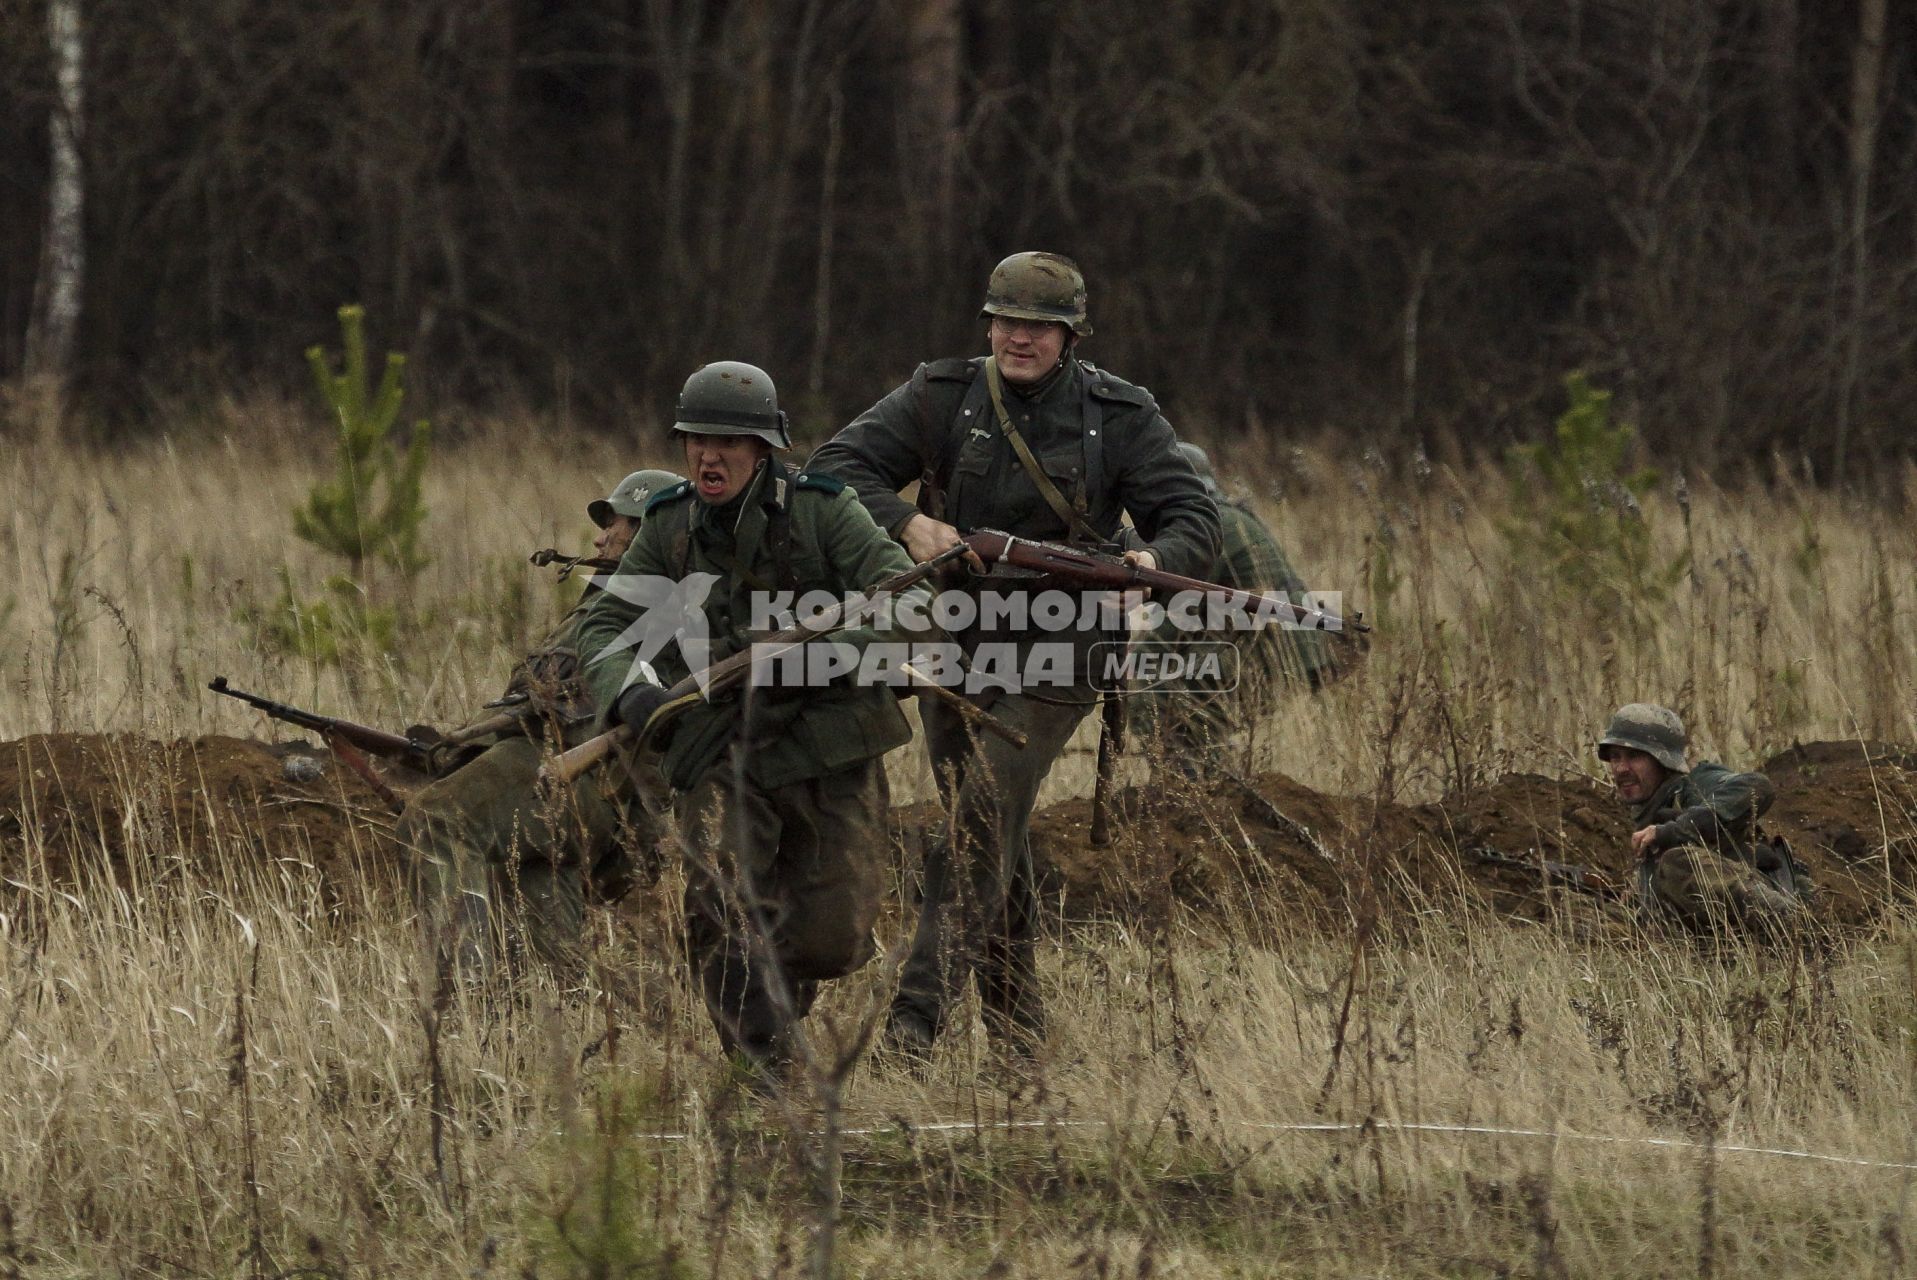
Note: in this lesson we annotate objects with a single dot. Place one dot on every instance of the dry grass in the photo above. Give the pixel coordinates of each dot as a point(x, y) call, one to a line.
point(222, 1079)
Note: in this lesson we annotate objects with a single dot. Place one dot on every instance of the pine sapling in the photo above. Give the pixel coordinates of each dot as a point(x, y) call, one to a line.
point(372, 506)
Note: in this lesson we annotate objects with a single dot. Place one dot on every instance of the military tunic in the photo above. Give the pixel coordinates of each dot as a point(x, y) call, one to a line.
point(1189, 719)
point(1108, 451)
point(499, 866)
point(1709, 864)
point(780, 795)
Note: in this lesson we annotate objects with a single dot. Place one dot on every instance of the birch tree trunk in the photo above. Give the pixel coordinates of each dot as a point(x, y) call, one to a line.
point(56, 293)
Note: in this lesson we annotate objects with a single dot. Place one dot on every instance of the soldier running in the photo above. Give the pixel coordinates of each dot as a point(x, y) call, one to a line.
point(1702, 858)
point(1038, 443)
point(780, 794)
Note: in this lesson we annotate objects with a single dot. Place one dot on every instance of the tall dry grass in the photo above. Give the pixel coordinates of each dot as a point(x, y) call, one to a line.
point(127, 574)
point(223, 1081)
point(218, 1077)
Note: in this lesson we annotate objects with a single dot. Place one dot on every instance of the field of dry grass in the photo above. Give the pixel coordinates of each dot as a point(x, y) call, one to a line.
point(217, 1076)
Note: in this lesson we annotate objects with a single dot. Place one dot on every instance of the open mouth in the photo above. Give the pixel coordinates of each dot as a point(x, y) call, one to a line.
point(712, 482)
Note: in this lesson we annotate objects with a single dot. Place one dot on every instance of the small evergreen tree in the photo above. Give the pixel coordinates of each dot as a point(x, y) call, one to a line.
point(372, 505)
point(370, 510)
point(1581, 521)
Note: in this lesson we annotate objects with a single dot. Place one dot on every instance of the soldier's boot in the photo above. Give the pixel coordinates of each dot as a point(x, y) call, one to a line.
point(756, 1022)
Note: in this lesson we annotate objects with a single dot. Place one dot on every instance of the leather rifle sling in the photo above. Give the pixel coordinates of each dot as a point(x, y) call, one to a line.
point(1074, 522)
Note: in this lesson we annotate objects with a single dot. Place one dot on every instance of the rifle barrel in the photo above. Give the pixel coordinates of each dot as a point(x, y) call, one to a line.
point(363, 736)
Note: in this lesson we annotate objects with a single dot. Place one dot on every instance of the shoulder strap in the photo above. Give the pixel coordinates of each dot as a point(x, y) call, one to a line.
point(1072, 520)
point(939, 442)
point(680, 540)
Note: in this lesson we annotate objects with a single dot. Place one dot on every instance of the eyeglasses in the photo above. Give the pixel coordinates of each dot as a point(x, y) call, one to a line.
point(1016, 328)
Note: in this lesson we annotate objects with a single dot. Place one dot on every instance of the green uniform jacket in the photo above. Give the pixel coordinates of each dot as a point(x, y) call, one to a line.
point(831, 545)
point(1253, 561)
point(1099, 439)
point(1709, 806)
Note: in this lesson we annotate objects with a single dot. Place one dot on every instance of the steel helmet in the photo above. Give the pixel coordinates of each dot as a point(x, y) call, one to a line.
point(730, 398)
point(629, 496)
point(1039, 286)
point(1654, 730)
point(1201, 463)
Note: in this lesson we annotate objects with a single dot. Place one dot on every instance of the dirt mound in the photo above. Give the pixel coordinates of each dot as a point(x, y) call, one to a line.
point(1849, 810)
point(74, 808)
point(77, 807)
point(1258, 842)
point(1846, 808)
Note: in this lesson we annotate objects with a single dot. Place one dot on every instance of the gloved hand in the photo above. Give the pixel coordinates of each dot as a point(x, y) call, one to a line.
point(637, 703)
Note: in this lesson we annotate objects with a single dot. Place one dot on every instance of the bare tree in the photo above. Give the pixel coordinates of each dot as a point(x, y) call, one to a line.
point(57, 290)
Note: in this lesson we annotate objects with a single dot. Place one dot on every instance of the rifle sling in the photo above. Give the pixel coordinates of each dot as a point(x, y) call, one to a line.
point(1074, 522)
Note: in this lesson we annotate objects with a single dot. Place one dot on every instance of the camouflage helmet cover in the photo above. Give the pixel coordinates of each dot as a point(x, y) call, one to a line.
point(1039, 286)
point(629, 496)
point(1201, 463)
point(731, 398)
point(1654, 730)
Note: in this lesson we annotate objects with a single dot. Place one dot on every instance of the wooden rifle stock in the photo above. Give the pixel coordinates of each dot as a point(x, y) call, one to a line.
point(1100, 570)
point(731, 671)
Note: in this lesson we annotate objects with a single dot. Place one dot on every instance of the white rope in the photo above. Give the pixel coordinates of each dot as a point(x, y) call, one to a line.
point(1464, 1130)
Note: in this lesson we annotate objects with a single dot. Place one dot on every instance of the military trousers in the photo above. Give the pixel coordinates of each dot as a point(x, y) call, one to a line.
point(979, 908)
point(782, 891)
point(1708, 890)
point(500, 868)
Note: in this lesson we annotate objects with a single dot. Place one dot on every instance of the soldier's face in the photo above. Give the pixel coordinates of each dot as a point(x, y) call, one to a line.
point(615, 538)
point(722, 466)
point(1634, 773)
point(1026, 350)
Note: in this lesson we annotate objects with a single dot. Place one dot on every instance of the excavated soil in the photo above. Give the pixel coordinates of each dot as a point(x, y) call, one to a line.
point(1848, 809)
point(75, 810)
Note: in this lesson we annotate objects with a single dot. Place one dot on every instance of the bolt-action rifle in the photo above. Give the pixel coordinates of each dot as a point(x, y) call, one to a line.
point(421, 749)
point(1576, 878)
point(1103, 570)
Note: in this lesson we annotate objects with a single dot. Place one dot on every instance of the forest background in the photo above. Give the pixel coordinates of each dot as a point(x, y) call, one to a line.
point(1389, 222)
point(1325, 232)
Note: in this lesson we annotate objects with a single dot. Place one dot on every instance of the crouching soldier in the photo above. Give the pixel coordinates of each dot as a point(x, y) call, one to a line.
point(1702, 858)
point(501, 867)
point(779, 792)
point(1191, 719)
